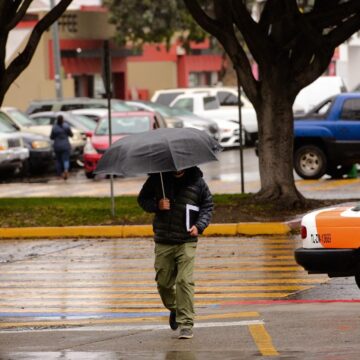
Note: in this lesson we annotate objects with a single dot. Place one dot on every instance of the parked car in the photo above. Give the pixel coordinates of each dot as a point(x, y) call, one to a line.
point(75, 121)
point(208, 107)
point(318, 91)
point(227, 95)
point(122, 124)
point(24, 123)
point(75, 103)
point(97, 114)
point(327, 139)
point(331, 242)
point(13, 153)
point(39, 146)
point(227, 98)
point(183, 116)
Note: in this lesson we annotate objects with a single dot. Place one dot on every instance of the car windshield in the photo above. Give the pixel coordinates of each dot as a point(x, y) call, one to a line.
point(85, 122)
point(5, 126)
point(124, 125)
point(168, 111)
point(20, 117)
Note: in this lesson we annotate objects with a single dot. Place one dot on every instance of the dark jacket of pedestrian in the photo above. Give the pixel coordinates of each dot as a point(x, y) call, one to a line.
point(60, 133)
point(170, 226)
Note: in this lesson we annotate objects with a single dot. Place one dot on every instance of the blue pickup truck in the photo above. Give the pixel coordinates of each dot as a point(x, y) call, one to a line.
point(327, 139)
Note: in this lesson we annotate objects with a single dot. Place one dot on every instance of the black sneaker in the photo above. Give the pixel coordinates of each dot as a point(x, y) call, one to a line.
point(172, 320)
point(186, 334)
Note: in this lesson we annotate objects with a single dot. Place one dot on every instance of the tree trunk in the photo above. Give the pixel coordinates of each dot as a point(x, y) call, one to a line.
point(275, 119)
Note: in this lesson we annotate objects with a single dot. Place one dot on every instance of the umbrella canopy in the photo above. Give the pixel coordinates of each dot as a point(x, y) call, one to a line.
point(166, 149)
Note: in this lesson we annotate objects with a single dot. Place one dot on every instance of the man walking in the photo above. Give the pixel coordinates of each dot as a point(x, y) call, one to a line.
point(179, 218)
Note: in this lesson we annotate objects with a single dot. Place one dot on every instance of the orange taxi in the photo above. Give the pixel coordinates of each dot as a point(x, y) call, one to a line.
point(331, 242)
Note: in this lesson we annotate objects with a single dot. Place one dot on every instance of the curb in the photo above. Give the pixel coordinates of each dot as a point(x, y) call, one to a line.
point(131, 231)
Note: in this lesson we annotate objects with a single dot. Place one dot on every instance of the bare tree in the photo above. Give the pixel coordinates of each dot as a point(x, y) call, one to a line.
point(11, 13)
point(292, 46)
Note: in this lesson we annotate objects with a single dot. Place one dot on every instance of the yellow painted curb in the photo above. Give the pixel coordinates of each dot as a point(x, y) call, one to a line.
point(62, 232)
point(125, 231)
point(138, 231)
point(263, 228)
point(221, 229)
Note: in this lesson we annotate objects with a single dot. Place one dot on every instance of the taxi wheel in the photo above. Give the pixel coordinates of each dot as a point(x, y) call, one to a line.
point(357, 279)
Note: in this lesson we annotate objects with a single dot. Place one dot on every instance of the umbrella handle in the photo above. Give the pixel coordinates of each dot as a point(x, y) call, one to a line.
point(162, 185)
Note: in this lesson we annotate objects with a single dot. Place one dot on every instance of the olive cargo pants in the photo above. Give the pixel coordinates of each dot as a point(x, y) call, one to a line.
point(174, 266)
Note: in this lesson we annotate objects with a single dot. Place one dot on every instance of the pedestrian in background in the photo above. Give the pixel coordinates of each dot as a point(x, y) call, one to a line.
point(60, 133)
point(179, 219)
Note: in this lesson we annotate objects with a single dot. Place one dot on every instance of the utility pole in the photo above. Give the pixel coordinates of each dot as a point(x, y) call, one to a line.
point(108, 90)
point(57, 57)
point(241, 145)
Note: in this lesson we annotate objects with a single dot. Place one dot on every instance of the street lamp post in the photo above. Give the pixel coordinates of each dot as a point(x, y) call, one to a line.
point(57, 57)
point(240, 138)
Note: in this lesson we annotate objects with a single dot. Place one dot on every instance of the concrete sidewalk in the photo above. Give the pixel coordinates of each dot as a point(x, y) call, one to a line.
point(127, 231)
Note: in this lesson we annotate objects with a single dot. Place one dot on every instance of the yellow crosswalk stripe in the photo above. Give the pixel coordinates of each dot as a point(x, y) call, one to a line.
point(154, 295)
point(38, 284)
point(142, 290)
point(117, 270)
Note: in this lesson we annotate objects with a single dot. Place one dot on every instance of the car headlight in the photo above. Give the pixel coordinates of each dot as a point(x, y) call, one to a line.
point(77, 136)
point(3, 144)
point(40, 144)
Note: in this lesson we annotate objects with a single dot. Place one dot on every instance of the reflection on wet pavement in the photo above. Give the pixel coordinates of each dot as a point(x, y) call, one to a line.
point(63, 283)
point(170, 355)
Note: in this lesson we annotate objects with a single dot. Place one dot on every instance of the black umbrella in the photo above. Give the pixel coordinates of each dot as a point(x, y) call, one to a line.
point(156, 151)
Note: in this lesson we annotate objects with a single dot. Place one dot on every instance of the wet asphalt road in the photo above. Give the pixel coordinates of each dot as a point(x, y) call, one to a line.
point(96, 299)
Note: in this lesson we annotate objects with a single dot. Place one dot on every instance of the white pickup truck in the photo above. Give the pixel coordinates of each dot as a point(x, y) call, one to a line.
point(209, 107)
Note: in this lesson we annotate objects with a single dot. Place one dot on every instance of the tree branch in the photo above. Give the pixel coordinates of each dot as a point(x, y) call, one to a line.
point(253, 36)
point(326, 16)
point(19, 15)
point(208, 24)
point(344, 31)
point(317, 67)
point(24, 58)
point(226, 36)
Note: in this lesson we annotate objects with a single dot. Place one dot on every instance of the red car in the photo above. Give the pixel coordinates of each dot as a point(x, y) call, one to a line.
point(122, 124)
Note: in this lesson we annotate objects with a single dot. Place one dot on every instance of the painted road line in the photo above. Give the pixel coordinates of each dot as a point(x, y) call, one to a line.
point(117, 328)
point(199, 264)
point(131, 271)
point(103, 297)
point(80, 322)
point(7, 311)
point(125, 303)
point(114, 260)
point(262, 340)
point(39, 284)
point(144, 290)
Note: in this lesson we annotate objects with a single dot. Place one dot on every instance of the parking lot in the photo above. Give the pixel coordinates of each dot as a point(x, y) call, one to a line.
point(222, 176)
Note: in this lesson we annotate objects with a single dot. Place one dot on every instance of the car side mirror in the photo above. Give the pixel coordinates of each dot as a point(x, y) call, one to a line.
point(88, 134)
